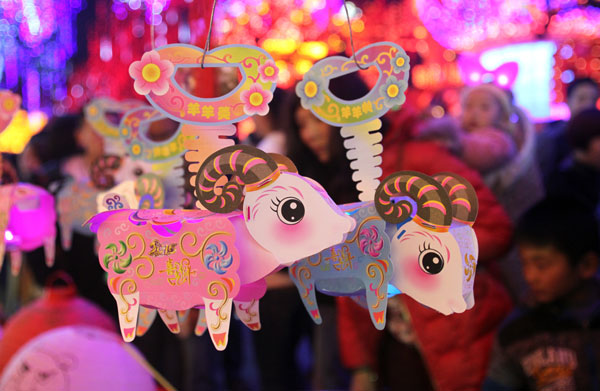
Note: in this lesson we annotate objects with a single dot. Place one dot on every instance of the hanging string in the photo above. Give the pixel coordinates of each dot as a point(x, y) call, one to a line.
point(352, 40)
point(160, 379)
point(152, 25)
point(207, 44)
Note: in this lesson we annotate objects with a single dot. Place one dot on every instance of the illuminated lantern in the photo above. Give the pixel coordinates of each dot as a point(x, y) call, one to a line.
point(27, 221)
point(59, 306)
point(77, 358)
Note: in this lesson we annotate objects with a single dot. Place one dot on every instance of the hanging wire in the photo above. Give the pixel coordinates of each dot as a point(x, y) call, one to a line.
point(152, 25)
point(207, 44)
point(351, 40)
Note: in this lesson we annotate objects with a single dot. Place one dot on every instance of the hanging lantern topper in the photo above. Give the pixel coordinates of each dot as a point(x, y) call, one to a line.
point(208, 122)
point(359, 118)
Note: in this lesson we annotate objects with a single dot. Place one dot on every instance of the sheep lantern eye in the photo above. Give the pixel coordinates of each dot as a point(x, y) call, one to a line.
point(290, 210)
point(431, 261)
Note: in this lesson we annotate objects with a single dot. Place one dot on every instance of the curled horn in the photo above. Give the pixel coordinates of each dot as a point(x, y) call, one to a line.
point(243, 165)
point(149, 189)
point(102, 170)
point(284, 163)
point(462, 196)
point(433, 204)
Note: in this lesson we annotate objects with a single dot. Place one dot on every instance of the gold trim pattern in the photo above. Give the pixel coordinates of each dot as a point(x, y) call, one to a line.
point(132, 289)
point(140, 255)
point(304, 273)
point(213, 291)
point(372, 270)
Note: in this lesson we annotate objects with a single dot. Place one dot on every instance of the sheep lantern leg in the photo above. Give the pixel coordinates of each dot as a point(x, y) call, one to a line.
point(359, 266)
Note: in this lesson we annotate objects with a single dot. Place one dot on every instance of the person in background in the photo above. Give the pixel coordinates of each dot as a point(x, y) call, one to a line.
point(580, 176)
point(435, 351)
point(553, 344)
point(268, 134)
point(317, 150)
point(552, 144)
point(41, 160)
point(496, 138)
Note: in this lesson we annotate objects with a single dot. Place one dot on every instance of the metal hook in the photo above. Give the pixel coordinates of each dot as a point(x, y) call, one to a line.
point(207, 44)
point(352, 40)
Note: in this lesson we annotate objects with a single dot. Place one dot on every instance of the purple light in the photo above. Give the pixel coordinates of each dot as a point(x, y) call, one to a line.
point(502, 80)
point(35, 50)
point(8, 236)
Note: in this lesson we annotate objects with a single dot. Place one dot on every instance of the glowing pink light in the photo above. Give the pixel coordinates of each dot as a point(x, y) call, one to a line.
point(472, 72)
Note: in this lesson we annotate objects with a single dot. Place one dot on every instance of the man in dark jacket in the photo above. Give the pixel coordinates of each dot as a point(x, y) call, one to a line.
point(580, 178)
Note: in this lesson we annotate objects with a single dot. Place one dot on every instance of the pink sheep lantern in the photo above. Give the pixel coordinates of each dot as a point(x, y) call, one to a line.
point(27, 221)
point(173, 260)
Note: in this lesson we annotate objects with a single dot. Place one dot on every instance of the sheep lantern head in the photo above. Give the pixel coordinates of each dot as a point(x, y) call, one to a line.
point(434, 248)
point(289, 215)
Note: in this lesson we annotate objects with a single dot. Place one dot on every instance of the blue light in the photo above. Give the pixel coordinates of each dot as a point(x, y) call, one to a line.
point(567, 76)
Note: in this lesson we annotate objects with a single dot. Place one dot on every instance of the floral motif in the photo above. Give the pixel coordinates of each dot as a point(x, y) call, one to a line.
point(256, 100)
point(117, 257)
point(268, 72)
point(9, 104)
point(310, 91)
point(151, 74)
point(135, 149)
point(369, 241)
point(401, 62)
point(392, 91)
point(217, 258)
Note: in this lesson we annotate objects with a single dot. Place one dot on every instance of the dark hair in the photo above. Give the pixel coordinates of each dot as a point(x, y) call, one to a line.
point(54, 143)
point(336, 175)
point(562, 223)
point(579, 82)
point(584, 127)
point(57, 138)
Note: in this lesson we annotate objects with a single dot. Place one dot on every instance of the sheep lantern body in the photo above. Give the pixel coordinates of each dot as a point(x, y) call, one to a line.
point(171, 260)
point(417, 235)
point(285, 217)
point(358, 266)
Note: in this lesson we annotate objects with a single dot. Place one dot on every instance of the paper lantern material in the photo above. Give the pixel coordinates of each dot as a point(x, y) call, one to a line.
point(163, 157)
point(176, 259)
point(76, 358)
point(250, 97)
point(104, 114)
point(59, 306)
point(434, 248)
point(27, 221)
point(359, 118)
point(76, 205)
point(207, 123)
point(358, 266)
point(417, 237)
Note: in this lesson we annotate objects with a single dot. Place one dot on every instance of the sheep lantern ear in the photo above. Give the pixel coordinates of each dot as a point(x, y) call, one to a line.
point(432, 202)
point(462, 196)
point(243, 165)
